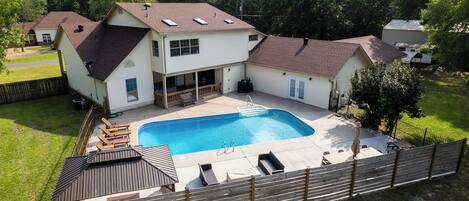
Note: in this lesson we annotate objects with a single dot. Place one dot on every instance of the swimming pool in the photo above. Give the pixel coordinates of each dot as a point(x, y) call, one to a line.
point(213, 132)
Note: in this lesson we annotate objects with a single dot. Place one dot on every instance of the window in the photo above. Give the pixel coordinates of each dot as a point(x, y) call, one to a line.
point(46, 38)
point(184, 47)
point(132, 93)
point(253, 37)
point(156, 51)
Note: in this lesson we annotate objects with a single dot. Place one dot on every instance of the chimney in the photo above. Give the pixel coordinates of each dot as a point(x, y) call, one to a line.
point(147, 5)
point(305, 41)
point(79, 28)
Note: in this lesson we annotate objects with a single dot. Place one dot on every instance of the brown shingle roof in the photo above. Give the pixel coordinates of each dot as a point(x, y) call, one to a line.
point(106, 46)
point(54, 18)
point(116, 171)
point(26, 27)
point(325, 58)
point(376, 49)
point(183, 14)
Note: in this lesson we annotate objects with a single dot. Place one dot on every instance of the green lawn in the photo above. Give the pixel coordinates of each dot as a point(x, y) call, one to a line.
point(446, 105)
point(35, 138)
point(30, 73)
point(27, 59)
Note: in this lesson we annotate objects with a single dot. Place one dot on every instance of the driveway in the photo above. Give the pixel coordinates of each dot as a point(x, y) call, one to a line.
point(36, 63)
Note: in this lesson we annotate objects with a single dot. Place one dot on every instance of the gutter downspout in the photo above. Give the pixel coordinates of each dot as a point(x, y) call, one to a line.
point(165, 91)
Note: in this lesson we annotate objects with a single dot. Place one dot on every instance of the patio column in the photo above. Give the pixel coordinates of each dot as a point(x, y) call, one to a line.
point(196, 86)
point(61, 62)
point(165, 93)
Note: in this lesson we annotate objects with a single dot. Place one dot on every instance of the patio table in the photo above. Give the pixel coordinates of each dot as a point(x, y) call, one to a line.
point(348, 155)
point(238, 174)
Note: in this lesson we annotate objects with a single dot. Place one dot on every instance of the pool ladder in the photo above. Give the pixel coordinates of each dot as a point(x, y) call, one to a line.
point(249, 101)
point(228, 145)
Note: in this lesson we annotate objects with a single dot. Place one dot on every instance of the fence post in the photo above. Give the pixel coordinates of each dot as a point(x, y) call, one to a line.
point(431, 162)
point(253, 188)
point(354, 171)
point(307, 171)
point(187, 194)
point(394, 171)
point(424, 137)
point(461, 154)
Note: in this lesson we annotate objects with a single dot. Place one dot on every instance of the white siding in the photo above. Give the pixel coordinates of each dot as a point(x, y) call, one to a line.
point(116, 87)
point(272, 81)
point(157, 63)
point(39, 33)
point(124, 19)
point(252, 44)
point(357, 61)
point(77, 74)
point(403, 36)
point(231, 75)
point(216, 48)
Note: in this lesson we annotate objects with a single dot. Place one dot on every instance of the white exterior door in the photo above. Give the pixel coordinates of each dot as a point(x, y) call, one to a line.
point(296, 89)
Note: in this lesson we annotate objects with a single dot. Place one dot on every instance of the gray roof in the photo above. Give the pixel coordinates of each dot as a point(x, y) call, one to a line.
point(407, 25)
point(115, 171)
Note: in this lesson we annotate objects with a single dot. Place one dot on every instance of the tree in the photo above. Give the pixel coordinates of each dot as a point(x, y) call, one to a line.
point(407, 10)
point(388, 92)
point(365, 17)
point(32, 9)
point(447, 25)
point(99, 8)
point(9, 29)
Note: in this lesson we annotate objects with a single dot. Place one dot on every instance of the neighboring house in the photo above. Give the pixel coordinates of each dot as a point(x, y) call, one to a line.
point(309, 71)
point(408, 36)
point(119, 174)
point(376, 49)
point(142, 54)
point(43, 30)
point(404, 31)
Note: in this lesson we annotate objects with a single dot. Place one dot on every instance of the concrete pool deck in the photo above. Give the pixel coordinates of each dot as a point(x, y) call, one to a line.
point(331, 134)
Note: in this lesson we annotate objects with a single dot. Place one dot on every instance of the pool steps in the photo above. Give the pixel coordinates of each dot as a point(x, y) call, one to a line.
point(250, 111)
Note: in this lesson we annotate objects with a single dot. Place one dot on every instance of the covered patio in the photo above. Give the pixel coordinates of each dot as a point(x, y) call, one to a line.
point(199, 84)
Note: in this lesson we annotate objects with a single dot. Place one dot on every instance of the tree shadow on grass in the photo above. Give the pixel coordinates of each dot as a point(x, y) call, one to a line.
point(51, 115)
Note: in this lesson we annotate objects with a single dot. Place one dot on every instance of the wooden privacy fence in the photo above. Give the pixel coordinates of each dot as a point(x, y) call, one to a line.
point(336, 181)
point(27, 90)
point(85, 132)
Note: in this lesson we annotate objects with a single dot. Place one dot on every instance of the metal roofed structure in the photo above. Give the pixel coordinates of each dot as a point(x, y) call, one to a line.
point(116, 171)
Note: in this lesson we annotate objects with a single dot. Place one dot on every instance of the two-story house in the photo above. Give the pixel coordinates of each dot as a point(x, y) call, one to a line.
point(142, 54)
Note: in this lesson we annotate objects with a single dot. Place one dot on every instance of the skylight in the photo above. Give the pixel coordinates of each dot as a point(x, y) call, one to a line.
point(228, 21)
point(169, 22)
point(200, 21)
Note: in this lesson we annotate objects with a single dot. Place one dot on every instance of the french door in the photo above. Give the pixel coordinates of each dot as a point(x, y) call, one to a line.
point(296, 89)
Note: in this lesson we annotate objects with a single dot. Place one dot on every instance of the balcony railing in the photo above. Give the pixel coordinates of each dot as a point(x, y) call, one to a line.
point(174, 97)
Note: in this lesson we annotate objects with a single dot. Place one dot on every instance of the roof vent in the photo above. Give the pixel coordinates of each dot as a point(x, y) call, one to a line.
point(305, 40)
point(200, 21)
point(169, 22)
point(80, 28)
point(228, 21)
point(147, 5)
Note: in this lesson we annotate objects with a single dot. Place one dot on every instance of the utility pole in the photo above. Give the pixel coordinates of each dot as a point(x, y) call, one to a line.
point(241, 9)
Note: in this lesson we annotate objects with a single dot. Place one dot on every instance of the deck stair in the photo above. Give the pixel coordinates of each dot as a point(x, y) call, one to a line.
point(251, 110)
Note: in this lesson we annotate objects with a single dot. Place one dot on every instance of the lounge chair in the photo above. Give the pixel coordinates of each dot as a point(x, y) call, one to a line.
point(207, 176)
point(109, 133)
point(101, 146)
point(121, 140)
point(270, 164)
point(187, 99)
point(114, 126)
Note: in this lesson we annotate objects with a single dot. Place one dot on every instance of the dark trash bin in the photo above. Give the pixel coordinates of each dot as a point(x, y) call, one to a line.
point(245, 86)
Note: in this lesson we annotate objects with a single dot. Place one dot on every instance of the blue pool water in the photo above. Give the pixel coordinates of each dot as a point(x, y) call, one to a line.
point(208, 133)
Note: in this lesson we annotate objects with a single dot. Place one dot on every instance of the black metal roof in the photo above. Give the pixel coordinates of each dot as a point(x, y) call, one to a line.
point(115, 171)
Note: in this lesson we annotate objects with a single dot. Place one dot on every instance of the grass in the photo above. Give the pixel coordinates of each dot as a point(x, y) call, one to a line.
point(446, 105)
point(27, 59)
point(35, 138)
point(30, 73)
